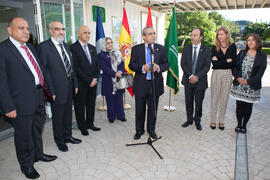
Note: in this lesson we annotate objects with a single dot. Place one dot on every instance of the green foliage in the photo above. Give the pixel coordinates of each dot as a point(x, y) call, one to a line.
point(180, 49)
point(263, 29)
point(266, 50)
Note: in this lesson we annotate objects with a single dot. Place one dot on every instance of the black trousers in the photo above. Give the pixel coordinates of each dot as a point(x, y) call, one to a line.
point(243, 113)
point(27, 134)
point(192, 93)
point(140, 109)
point(62, 118)
point(85, 100)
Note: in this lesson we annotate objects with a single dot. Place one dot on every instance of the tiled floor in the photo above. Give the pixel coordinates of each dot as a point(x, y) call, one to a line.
point(188, 153)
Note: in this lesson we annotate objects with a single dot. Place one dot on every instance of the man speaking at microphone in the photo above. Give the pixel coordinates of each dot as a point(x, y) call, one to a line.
point(146, 58)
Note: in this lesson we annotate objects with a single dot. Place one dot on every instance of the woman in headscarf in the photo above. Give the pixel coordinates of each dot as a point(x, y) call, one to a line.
point(112, 66)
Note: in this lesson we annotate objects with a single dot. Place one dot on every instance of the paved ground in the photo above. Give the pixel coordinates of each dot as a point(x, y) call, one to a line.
point(188, 154)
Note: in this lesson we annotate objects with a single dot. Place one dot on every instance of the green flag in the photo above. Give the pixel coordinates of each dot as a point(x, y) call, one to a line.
point(172, 49)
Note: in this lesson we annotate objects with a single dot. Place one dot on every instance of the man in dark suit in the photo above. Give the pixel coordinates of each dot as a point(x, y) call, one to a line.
point(87, 69)
point(57, 61)
point(143, 89)
point(195, 63)
point(21, 95)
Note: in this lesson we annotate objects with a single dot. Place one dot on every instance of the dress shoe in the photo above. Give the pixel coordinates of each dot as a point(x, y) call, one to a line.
point(153, 134)
point(221, 126)
point(84, 132)
point(243, 130)
point(62, 147)
point(30, 172)
point(213, 125)
point(123, 120)
point(186, 124)
point(198, 126)
point(73, 140)
point(138, 135)
point(94, 128)
point(111, 121)
point(237, 129)
point(46, 158)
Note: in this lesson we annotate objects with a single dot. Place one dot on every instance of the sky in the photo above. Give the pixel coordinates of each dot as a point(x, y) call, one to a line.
point(254, 15)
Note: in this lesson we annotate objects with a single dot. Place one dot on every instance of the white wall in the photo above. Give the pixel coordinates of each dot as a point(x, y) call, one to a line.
point(115, 8)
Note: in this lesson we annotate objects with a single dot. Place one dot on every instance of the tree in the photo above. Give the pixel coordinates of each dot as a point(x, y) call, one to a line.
point(221, 21)
point(187, 21)
point(260, 28)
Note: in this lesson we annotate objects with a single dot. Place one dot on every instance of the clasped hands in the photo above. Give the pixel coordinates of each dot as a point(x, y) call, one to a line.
point(193, 79)
point(242, 81)
point(147, 68)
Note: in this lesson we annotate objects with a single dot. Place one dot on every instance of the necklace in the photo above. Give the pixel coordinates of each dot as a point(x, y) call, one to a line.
point(223, 46)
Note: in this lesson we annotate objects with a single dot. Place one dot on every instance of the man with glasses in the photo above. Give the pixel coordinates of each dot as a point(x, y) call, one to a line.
point(141, 57)
point(87, 70)
point(56, 58)
point(21, 95)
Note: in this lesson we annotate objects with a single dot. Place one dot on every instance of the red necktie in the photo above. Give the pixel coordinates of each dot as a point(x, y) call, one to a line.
point(35, 65)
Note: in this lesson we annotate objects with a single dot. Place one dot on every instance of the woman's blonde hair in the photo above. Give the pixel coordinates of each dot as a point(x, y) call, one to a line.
point(228, 39)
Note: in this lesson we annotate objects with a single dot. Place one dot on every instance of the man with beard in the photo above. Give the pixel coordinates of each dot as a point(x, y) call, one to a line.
point(57, 61)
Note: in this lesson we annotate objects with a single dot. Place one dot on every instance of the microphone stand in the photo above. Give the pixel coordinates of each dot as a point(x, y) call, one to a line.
point(153, 92)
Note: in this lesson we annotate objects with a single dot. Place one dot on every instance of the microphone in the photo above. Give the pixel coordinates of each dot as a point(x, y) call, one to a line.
point(151, 49)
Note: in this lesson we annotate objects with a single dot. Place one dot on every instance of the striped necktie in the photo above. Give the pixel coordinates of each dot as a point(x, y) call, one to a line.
point(35, 65)
point(66, 61)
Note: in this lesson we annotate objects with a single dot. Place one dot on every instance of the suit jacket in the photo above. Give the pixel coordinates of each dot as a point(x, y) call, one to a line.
point(259, 66)
point(55, 70)
point(108, 73)
point(138, 60)
point(84, 70)
point(17, 83)
point(202, 66)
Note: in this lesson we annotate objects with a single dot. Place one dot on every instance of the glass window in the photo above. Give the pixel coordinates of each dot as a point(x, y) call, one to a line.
point(58, 10)
point(78, 15)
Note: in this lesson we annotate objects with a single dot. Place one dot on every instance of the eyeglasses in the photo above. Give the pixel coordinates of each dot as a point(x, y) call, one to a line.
point(59, 29)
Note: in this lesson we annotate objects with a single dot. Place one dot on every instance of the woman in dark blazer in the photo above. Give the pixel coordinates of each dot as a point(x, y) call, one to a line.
point(112, 66)
point(248, 71)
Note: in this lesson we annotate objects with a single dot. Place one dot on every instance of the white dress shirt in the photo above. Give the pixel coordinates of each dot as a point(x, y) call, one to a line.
point(26, 58)
point(56, 43)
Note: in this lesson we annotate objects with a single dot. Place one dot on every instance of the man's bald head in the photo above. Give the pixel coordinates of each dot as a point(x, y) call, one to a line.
point(84, 34)
point(18, 29)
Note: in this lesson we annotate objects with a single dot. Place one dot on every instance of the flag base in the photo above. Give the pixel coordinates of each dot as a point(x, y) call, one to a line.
point(102, 108)
point(169, 108)
point(127, 106)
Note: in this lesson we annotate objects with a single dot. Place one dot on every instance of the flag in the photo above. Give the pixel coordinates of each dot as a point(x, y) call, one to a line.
point(149, 18)
point(99, 36)
point(172, 49)
point(125, 45)
point(99, 31)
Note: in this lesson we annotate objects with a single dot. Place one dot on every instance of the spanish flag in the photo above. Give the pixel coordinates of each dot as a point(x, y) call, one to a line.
point(125, 45)
point(149, 17)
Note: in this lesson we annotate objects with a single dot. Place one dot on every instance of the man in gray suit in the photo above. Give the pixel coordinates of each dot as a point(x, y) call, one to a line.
point(195, 63)
point(57, 61)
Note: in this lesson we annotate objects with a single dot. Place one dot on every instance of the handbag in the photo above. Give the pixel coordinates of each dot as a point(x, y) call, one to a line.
point(124, 82)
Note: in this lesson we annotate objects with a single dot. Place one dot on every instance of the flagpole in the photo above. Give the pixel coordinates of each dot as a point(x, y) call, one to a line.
point(170, 108)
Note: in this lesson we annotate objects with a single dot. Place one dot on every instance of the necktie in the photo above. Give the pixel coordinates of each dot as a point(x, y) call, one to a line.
point(35, 65)
point(148, 61)
point(66, 62)
point(87, 54)
point(194, 60)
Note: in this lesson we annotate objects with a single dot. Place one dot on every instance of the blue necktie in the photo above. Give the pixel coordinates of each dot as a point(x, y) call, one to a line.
point(148, 60)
